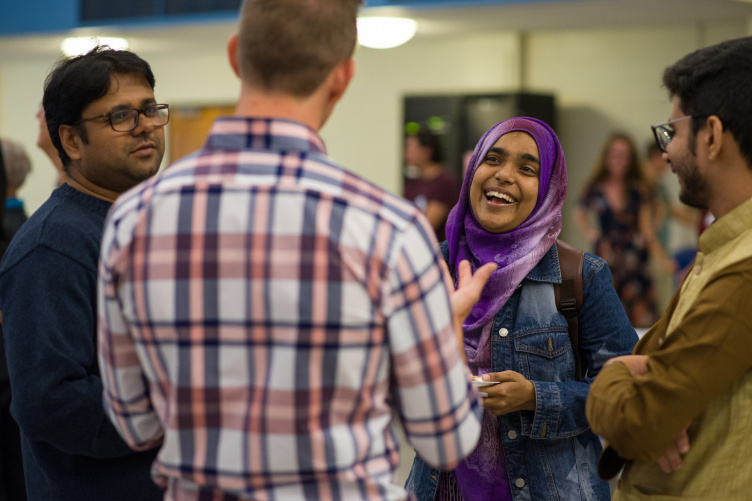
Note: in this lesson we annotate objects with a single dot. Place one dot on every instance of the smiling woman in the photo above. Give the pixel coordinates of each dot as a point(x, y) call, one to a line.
point(522, 159)
point(535, 434)
point(504, 190)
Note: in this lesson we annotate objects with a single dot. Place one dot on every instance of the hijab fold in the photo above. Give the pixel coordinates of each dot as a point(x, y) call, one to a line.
point(518, 251)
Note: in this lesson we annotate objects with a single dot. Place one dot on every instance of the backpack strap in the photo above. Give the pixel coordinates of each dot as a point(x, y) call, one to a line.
point(568, 295)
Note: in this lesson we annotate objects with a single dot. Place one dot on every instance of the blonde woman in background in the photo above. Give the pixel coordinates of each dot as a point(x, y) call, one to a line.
point(616, 197)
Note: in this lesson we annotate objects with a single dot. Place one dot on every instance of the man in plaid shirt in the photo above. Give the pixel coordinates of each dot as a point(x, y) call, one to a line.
point(264, 312)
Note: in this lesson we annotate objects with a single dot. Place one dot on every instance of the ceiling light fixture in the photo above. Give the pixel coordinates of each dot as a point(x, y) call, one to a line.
point(75, 46)
point(385, 32)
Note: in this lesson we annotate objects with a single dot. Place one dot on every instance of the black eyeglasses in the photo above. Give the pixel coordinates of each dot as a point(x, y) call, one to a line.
point(664, 133)
point(126, 120)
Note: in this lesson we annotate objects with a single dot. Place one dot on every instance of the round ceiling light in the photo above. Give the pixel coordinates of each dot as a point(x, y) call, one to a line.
point(75, 46)
point(385, 32)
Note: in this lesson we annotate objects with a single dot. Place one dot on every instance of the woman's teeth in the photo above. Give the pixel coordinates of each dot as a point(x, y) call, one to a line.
point(502, 196)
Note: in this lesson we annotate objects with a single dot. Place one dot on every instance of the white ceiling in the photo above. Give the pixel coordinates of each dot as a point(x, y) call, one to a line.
point(543, 15)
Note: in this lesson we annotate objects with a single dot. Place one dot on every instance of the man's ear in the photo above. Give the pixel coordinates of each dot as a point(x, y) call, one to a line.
point(714, 137)
point(341, 77)
point(232, 53)
point(71, 141)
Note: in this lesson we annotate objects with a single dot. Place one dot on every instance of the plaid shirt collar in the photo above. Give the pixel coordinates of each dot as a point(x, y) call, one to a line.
point(241, 133)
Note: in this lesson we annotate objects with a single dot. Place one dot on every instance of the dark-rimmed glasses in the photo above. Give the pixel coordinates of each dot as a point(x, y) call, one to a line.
point(126, 120)
point(664, 133)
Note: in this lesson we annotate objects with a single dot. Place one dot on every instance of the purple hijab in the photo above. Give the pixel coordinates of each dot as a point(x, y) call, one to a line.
point(518, 251)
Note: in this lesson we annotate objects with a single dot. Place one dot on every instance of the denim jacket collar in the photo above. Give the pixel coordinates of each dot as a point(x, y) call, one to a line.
point(547, 269)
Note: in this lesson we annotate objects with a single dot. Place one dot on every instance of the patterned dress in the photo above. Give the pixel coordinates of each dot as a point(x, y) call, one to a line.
point(625, 250)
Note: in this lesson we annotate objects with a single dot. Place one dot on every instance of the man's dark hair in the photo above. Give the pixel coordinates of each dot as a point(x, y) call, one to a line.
point(76, 82)
point(717, 80)
point(291, 46)
point(428, 139)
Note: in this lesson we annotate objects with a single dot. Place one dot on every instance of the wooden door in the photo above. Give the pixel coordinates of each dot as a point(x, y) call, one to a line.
point(189, 126)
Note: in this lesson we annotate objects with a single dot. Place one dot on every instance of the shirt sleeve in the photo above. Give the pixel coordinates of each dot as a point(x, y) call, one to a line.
point(50, 333)
point(439, 407)
point(126, 395)
point(604, 332)
point(641, 416)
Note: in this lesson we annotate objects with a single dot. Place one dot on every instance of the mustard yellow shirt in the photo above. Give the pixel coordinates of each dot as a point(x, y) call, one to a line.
point(698, 374)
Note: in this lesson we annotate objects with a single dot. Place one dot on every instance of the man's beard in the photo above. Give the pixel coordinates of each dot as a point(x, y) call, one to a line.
point(694, 190)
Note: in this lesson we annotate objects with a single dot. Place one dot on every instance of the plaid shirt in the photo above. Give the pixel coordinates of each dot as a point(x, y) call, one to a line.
point(263, 312)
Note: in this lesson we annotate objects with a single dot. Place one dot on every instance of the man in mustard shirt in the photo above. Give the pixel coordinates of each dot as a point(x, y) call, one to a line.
point(677, 413)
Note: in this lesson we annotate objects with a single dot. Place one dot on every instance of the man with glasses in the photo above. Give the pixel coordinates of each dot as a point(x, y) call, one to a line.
point(108, 129)
point(677, 413)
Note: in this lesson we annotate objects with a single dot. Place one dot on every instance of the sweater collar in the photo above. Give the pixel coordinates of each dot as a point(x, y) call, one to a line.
point(65, 191)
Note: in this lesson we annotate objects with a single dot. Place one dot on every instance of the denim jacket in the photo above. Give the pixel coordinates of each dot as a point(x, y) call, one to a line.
point(550, 453)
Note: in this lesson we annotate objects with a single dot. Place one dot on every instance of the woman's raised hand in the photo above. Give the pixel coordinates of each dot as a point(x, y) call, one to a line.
point(469, 287)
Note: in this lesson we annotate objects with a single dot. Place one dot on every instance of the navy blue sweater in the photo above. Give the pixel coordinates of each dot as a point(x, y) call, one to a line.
point(48, 301)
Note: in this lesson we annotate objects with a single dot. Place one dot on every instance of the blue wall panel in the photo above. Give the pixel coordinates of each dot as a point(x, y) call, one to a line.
point(36, 16)
point(18, 17)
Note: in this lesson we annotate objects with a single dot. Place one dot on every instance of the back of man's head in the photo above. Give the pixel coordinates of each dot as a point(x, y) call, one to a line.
point(76, 82)
point(16, 162)
point(291, 46)
point(717, 80)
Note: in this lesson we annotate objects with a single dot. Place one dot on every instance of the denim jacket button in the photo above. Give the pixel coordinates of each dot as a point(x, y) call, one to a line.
point(503, 332)
point(512, 434)
point(519, 483)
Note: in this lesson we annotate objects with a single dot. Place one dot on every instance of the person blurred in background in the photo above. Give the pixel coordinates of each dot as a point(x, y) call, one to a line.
point(12, 486)
point(662, 264)
point(433, 189)
point(616, 196)
point(17, 167)
point(679, 233)
point(44, 142)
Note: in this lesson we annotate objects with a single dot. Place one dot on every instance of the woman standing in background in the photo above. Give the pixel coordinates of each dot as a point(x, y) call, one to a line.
point(617, 196)
point(434, 190)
